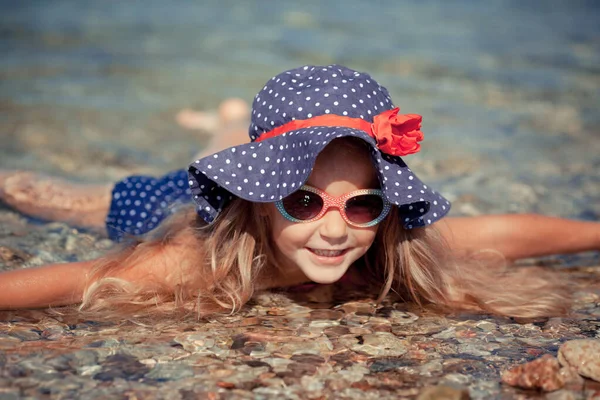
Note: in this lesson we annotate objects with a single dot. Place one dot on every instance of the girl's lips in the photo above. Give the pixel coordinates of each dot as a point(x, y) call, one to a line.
point(328, 257)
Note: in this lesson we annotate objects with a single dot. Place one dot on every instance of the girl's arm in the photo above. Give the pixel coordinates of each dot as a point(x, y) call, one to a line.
point(50, 285)
point(63, 284)
point(520, 235)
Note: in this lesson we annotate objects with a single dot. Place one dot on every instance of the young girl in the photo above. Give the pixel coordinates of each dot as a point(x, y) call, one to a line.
point(320, 194)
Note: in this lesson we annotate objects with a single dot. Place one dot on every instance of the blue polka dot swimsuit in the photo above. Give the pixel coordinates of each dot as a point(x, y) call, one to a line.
point(140, 203)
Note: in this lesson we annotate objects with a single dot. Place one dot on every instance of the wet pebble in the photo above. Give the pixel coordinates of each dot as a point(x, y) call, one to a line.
point(317, 345)
point(354, 373)
point(12, 257)
point(424, 326)
point(169, 372)
point(336, 331)
point(106, 343)
point(486, 326)
point(358, 307)
point(72, 361)
point(308, 358)
point(442, 392)
point(396, 317)
point(37, 367)
point(24, 334)
point(543, 373)
point(88, 370)
point(562, 394)
point(389, 364)
point(583, 356)
point(205, 343)
point(121, 366)
point(54, 333)
point(311, 384)
point(7, 340)
point(380, 344)
point(10, 394)
point(323, 324)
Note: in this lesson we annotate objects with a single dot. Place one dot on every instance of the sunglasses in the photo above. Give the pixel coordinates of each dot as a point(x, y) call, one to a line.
point(361, 208)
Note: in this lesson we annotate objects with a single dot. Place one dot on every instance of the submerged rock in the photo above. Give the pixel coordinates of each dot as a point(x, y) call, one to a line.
point(543, 373)
point(583, 356)
point(443, 392)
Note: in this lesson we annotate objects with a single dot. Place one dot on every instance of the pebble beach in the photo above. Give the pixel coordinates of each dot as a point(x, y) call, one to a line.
point(509, 93)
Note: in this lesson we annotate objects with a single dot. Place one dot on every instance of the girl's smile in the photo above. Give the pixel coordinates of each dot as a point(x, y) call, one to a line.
point(328, 257)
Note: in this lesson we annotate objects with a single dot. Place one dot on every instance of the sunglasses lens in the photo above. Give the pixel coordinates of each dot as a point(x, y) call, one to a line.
point(303, 205)
point(364, 209)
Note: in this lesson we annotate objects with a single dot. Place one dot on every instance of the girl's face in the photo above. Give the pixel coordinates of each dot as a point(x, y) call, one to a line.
point(323, 250)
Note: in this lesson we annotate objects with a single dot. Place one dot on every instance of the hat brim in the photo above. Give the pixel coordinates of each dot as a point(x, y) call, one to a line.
point(270, 170)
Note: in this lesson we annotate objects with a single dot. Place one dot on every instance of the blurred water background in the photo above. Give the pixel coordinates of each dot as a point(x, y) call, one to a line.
point(509, 89)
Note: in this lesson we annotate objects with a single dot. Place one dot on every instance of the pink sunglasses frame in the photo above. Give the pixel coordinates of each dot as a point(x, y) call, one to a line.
point(340, 204)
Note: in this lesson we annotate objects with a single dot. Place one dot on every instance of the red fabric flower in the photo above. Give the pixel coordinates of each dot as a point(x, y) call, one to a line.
point(397, 134)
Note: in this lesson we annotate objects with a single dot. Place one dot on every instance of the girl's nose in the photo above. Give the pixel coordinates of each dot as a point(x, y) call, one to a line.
point(333, 225)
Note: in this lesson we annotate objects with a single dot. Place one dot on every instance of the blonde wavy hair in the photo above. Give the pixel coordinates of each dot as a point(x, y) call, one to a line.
point(225, 262)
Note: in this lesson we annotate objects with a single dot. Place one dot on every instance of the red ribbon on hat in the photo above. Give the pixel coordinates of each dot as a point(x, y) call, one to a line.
point(396, 134)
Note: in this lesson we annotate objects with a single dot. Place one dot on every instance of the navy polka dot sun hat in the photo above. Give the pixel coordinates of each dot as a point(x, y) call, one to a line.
point(295, 115)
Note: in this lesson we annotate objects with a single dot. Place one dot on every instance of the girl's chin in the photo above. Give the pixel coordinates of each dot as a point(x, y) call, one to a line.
point(325, 276)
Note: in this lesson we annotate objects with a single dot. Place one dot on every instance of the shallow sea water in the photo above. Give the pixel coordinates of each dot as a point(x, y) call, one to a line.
point(89, 90)
point(509, 90)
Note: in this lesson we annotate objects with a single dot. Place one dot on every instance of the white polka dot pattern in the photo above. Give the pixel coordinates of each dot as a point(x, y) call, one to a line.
point(311, 91)
point(140, 203)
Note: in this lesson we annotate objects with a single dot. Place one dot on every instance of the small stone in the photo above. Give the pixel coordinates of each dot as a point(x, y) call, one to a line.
point(389, 364)
point(571, 377)
point(169, 372)
point(105, 343)
point(336, 331)
point(322, 323)
point(121, 366)
point(8, 341)
point(448, 333)
point(442, 392)
point(358, 307)
point(543, 373)
point(311, 383)
point(431, 367)
point(332, 315)
point(337, 384)
point(583, 356)
point(10, 394)
point(12, 257)
point(89, 370)
point(354, 374)
point(308, 358)
point(456, 379)
point(63, 362)
point(401, 317)
point(25, 335)
point(562, 395)
point(53, 333)
point(486, 326)
point(317, 345)
point(477, 350)
point(36, 365)
point(382, 344)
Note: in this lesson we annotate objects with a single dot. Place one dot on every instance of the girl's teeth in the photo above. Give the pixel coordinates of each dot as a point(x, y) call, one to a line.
point(328, 253)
